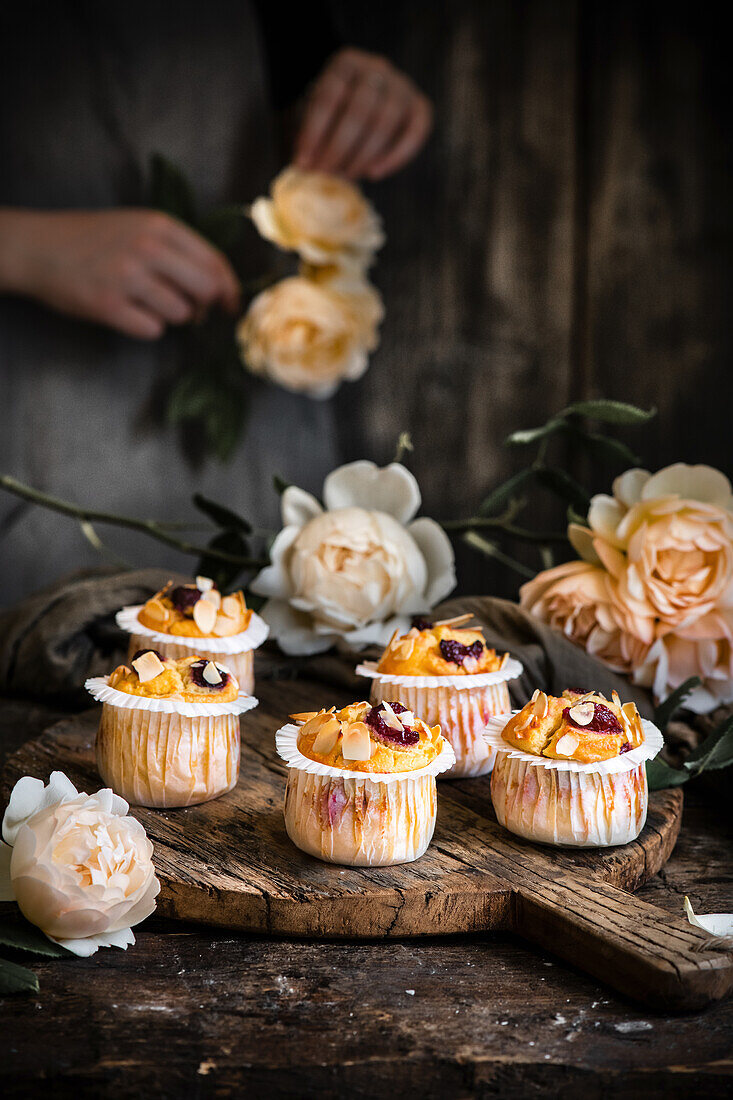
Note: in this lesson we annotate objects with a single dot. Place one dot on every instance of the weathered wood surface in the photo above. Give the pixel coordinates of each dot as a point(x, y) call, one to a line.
point(229, 862)
point(198, 1012)
point(566, 233)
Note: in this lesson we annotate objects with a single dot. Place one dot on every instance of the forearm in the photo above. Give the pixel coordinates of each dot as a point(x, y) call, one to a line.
point(19, 230)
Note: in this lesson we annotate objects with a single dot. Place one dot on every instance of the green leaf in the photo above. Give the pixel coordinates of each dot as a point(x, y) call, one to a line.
point(170, 190)
point(24, 936)
point(531, 435)
point(661, 775)
point(504, 493)
point(673, 702)
point(223, 573)
point(16, 979)
point(565, 486)
point(610, 412)
point(716, 751)
point(280, 484)
point(577, 517)
point(491, 550)
point(221, 515)
point(224, 227)
point(602, 446)
point(217, 404)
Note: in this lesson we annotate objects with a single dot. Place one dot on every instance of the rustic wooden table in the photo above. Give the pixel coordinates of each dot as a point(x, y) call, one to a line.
point(197, 1012)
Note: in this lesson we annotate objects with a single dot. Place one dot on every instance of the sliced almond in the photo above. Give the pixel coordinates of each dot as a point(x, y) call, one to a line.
point(566, 745)
point(223, 625)
point(503, 661)
point(390, 718)
point(535, 695)
point(314, 723)
point(470, 664)
point(204, 615)
point(540, 705)
point(213, 597)
point(327, 736)
point(405, 648)
point(583, 713)
point(211, 674)
point(408, 718)
point(631, 714)
point(118, 674)
point(356, 743)
point(304, 716)
point(148, 666)
point(154, 609)
point(615, 698)
point(457, 620)
point(232, 606)
point(204, 584)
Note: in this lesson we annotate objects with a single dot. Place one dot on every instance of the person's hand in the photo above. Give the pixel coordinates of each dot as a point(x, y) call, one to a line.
point(134, 270)
point(363, 118)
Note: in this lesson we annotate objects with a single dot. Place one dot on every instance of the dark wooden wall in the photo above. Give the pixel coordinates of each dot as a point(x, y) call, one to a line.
point(566, 233)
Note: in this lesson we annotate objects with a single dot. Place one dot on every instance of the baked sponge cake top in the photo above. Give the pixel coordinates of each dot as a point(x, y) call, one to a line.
point(360, 737)
point(581, 726)
point(195, 610)
point(440, 649)
point(191, 679)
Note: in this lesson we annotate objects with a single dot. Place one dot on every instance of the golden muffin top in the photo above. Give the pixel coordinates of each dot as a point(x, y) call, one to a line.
point(196, 610)
point(365, 738)
point(191, 679)
point(581, 726)
point(440, 649)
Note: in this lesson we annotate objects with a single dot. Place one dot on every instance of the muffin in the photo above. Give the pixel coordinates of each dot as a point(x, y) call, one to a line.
point(169, 731)
point(447, 674)
point(195, 618)
point(571, 770)
point(361, 783)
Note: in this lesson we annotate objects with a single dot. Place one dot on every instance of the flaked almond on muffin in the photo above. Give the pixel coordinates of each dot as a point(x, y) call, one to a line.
point(195, 610)
point(440, 649)
point(581, 726)
point(190, 679)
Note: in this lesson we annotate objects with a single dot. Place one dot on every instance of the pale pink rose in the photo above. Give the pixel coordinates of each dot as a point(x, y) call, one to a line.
point(77, 865)
point(579, 600)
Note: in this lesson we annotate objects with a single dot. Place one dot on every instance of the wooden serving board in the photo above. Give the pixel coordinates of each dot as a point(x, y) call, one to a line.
point(230, 863)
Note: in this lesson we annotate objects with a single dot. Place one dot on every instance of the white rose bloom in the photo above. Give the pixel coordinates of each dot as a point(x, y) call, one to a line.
point(355, 571)
point(79, 867)
point(323, 218)
point(309, 337)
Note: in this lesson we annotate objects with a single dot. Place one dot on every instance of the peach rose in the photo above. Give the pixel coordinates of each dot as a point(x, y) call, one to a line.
point(308, 337)
point(704, 649)
point(79, 867)
point(667, 540)
point(578, 599)
point(323, 218)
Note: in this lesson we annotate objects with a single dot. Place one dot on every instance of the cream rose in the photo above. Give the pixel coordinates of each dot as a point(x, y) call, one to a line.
point(357, 570)
point(79, 867)
point(322, 218)
point(704, 649)
point(308, 337)
point(578, 599)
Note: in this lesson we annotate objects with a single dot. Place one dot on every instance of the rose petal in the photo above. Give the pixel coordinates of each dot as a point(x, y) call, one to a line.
point(692, 483)
point(363, 484)
point(29, 796)
point(436, 548)
point(293, 630)
point(274, 580)
point(628, 487)
point(716, 924)
point(123, 938)
point(604, 515)
point(297, 507)
point(581, 539)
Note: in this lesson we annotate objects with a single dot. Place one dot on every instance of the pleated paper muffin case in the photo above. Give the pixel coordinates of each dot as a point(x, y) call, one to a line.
point(358, 819)
point(566, 803)
point(235, 653)
point(460, 705)
point(166, 753)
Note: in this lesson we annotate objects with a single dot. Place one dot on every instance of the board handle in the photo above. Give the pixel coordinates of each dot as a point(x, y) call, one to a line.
point(641, 950)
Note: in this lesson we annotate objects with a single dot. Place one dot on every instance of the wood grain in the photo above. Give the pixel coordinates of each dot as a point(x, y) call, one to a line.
point(230, 863)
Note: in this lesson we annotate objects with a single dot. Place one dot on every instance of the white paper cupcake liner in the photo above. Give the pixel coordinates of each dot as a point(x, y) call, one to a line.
point(251, 638)
point(510, 671)
point(286, 742)
point(98, 687)
point(652, 744)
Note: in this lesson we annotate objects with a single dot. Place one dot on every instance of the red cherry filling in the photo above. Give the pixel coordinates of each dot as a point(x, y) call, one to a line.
point(184, 598)
point(141, 651)
point(400, 739)
point(420, 623)
point(456, 652)
point(603, 721)
point(197, 675)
